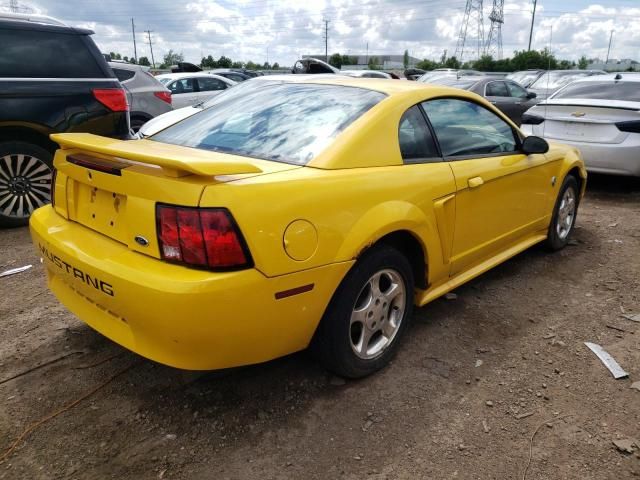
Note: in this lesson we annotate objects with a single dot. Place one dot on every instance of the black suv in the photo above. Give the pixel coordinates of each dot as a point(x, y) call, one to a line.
point(52, 79)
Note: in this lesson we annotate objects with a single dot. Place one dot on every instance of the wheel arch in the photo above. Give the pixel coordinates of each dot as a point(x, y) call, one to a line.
point(28, 133)
point(399, 224)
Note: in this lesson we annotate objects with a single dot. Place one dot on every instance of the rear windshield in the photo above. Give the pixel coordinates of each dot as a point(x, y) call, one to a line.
point(556, 79)
point(523, 78)
point(285, 122)
point(39, 54)
point(629, 91)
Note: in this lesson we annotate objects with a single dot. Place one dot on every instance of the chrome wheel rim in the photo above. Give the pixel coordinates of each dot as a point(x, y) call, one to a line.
point(566, 214)
point(377, 314)
point(25, 184)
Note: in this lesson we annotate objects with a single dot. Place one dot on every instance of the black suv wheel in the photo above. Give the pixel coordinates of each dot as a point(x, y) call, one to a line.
point(25, 181)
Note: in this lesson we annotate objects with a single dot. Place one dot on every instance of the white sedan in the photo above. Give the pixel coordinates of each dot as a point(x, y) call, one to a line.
point(191, 88)
point(600, 116)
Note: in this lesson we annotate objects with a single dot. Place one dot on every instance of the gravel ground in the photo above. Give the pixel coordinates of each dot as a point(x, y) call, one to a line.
point(476, 379)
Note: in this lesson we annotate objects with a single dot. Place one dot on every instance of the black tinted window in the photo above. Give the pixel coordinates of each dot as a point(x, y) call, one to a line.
point(629, 91)
point(466, 128)
point(123, 75)
point(414, 136)
point(37, 54)
point(497, 89)
point(208, 84)
point(282, 122)
point(184, 85)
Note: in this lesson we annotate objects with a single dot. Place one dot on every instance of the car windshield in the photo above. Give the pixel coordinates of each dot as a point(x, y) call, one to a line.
point(284, 122)
point(454, 82)
point(523, 78)
point(629, 91)
point(553, 80)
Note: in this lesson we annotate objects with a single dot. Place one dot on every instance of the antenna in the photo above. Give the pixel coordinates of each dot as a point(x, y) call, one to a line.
point(494, 42)
point(472, 13)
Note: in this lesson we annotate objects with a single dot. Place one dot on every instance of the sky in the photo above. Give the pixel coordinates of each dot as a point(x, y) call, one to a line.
point(281, 31)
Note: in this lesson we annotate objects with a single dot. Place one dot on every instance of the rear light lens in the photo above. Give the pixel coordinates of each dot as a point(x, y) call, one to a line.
point(164, 96)
point(201, 237)
point(113, 98)
point(528, 119)
point(632, 126)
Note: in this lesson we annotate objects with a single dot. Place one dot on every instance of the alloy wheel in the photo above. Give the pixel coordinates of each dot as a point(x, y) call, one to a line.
point(25, 184)
point(377, 314)
point(566, 214)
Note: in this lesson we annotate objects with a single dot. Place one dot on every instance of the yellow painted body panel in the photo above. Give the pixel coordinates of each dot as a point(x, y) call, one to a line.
point(303, 225)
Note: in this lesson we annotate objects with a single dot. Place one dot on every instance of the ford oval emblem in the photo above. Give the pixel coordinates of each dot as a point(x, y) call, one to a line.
point(140, 240)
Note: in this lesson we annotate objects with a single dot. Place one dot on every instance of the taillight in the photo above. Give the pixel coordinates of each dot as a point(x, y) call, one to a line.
point(164, 96)
point(54, 174)
point(632, 126)
point(202, 237)
point(115, 99)
point(528, 119)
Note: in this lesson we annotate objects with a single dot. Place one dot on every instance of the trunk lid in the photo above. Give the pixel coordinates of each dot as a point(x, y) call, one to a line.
point(591, 121)
point(113, 186)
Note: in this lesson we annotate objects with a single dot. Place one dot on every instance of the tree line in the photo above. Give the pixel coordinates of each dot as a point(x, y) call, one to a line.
point(173, 58)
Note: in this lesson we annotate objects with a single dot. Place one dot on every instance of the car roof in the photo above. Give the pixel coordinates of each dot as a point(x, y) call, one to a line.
point(383, 85)
point(38, 22)
point(611, 77)
point(128, 66)
point(177, 76)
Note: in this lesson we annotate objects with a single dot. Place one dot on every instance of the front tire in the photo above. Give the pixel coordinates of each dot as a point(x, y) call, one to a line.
point(564, 214)
point(368, 315)
point(25, 181)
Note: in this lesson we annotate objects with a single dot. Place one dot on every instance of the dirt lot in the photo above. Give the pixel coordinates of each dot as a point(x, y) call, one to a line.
point(453, 404)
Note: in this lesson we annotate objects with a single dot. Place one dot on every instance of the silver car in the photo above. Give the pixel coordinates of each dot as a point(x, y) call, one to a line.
point(147, 97)
point(191, 88)
point(600, 116)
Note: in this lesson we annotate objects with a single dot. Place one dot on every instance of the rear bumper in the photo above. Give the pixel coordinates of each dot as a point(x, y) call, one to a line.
point(610, 158)
point(174, 315)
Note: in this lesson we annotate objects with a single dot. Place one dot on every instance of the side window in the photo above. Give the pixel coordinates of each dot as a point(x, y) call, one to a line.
point(184, 85)
point(209, 84)
point(464, 128)
point(414, 136)
point(516, 90)
point(123, 75)
point(38, 54)
point(496, 89)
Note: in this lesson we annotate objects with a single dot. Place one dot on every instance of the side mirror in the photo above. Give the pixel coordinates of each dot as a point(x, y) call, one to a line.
point(533, 144)
point(531, 95)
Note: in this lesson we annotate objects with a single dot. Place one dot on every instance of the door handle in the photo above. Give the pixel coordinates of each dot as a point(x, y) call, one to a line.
point(475, 182)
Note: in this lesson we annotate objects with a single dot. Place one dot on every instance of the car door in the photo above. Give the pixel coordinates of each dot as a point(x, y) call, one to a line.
point(184, 92)
point(498, 94)
point(522, 100)
point(210, 87)
point(500, 192)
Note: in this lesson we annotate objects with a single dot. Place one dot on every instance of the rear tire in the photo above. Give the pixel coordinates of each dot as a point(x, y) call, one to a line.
point(564, 214)
point(25, 181)
point(368, 314)
point(136, 123)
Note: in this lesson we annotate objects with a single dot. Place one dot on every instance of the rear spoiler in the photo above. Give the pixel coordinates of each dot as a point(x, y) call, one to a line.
point(175, 161)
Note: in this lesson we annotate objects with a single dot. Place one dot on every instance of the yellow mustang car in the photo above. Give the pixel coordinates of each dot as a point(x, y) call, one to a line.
point(297, 211)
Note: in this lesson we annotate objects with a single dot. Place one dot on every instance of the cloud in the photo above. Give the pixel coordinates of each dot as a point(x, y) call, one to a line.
point(284, 30)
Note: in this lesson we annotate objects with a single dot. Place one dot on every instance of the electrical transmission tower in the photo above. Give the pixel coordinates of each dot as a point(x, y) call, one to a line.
point(494, 41)
point(473, 18)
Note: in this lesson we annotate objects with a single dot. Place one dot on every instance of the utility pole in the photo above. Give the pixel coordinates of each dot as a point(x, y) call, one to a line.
point(367, 57)
point(533, 18)
point(609, 49)
point(153, 62)
point(326, 40)
point(133, 32)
